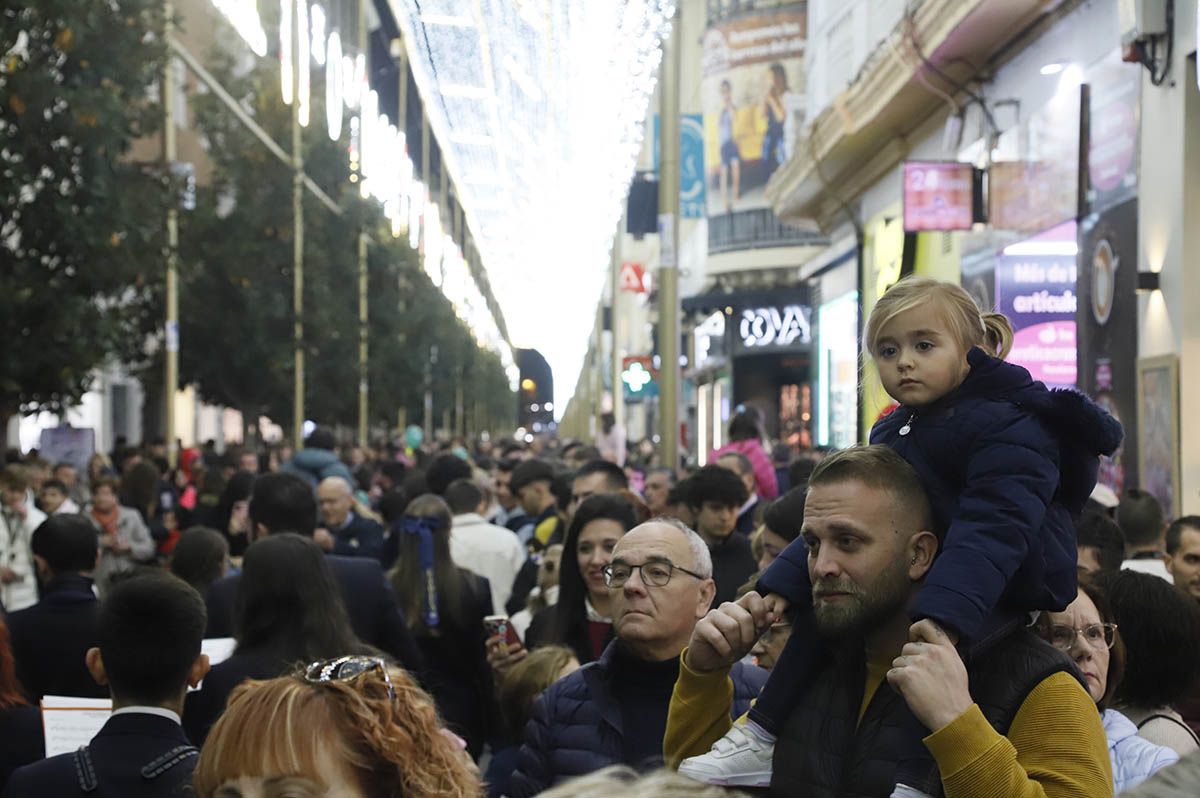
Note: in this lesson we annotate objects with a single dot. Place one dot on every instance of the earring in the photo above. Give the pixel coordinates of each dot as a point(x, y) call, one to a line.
point(913, 561)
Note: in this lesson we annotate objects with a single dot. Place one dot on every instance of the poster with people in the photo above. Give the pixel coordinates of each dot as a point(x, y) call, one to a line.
point(753, 88)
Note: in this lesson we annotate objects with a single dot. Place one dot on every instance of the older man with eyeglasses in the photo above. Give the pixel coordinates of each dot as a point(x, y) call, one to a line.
point(614, 711)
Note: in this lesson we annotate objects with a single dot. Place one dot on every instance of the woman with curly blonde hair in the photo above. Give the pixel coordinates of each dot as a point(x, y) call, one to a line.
point(349, 727)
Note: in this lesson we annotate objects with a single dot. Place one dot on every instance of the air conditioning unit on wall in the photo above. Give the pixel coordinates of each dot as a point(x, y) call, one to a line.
point(1139, 20)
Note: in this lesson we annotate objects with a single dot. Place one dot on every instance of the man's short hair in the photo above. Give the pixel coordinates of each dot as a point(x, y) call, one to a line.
point(1176, 529)
point(802, 467)
point(283, 502)
point(445, 469)
point(681, 492)
point(55, 484)
point(394, 470)
point(149, 630)
point(321, 438)
point(785, 515)
point(614, 475)
point(14, 477)
point(718, 485)
point(744, 465)
point(1140, 517)
point(507, 464)
point(60, 466)
point(529, 472)
point(392, 505)
point(1101, 533)
point(582, 451)
point(670, 472)
point(106, 481)
point(199, 557)
point(701, 556)
point(463, 496)
point(68, 543)
point(879, 467)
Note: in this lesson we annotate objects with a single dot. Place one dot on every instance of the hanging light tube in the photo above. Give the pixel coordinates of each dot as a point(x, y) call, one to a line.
point(286, 7)
point(303, 84)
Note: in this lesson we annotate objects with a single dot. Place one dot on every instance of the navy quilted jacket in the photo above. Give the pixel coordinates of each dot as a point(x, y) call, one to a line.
point(576, 725)
point(1008, 465)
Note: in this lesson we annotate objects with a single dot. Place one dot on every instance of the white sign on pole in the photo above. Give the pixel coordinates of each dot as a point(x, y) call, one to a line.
point(666, 241)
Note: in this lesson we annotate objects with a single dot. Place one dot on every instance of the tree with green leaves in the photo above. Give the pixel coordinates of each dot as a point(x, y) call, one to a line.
point(80, 223)
point(236, 280)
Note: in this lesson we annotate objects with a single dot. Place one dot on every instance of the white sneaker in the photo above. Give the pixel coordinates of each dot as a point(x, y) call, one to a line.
point(742, 758)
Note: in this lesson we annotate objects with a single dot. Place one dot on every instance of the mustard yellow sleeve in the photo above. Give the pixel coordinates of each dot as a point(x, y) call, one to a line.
point(1055, 748)
point(699, 713)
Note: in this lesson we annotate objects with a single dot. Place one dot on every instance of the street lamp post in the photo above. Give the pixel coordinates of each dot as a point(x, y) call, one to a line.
point(297, 243)
point(171, 328)
point(363, 331)
point(668, 266)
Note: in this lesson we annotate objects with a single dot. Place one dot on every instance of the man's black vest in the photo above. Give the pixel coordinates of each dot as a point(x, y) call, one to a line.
point(824, 752)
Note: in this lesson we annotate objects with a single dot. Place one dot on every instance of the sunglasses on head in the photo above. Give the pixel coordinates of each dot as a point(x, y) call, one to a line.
point(345, 669)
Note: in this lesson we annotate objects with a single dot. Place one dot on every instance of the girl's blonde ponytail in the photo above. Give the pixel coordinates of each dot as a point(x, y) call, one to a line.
point(997, 334)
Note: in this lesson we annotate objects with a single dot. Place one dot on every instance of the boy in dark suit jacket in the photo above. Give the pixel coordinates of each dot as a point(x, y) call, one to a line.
point(50, 640)
point(150, 628)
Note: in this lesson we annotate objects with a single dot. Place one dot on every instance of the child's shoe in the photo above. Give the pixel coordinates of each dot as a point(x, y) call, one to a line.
point(742, 758)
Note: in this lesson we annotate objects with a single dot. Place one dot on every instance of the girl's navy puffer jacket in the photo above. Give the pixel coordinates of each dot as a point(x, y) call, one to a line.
point(1008, 465)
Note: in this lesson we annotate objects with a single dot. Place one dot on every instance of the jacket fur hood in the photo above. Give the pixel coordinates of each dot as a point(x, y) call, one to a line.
point(1074, 418)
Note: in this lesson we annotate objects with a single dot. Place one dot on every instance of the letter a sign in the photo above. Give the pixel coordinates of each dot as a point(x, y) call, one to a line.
point(633, 278)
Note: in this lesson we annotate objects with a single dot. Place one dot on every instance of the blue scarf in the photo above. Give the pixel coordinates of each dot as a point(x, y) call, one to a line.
point(424, 528)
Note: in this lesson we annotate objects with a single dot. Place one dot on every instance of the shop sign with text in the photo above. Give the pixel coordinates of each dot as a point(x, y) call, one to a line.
point(785, 328)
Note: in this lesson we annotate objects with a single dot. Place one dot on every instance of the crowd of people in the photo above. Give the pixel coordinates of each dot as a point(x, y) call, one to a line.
point(954, 609)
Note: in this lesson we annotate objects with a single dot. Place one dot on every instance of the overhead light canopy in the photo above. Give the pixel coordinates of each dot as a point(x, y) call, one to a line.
point(539, 109)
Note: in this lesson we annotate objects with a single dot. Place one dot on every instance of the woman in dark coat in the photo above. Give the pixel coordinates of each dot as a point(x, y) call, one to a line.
point(288, 612)
point(445, 606)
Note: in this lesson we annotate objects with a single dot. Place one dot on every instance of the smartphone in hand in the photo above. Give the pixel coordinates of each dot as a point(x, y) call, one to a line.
point(499, 626)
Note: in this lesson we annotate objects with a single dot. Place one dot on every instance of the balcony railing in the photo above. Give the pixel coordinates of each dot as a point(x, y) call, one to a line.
point(756, 229)
point(719, 10)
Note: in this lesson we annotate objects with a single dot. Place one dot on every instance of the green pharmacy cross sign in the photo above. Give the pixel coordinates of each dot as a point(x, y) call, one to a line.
point(639, 381)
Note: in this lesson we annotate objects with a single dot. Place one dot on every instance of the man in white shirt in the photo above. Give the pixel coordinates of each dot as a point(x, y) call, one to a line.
point(18, 519)
point(1140, 517)
point(490, 551)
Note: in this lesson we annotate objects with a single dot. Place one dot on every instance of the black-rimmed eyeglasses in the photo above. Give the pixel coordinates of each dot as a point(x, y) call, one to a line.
point(344, 669)
point(656, 573)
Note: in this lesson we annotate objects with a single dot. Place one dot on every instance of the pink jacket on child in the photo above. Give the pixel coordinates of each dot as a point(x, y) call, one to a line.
point(764, 472)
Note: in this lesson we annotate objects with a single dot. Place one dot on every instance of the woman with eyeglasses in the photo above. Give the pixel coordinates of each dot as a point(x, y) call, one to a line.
point(288, 610)
point(1160, 627)
point(582, 619)
point(444, 606)
point(343, 728)
point(1086, 632)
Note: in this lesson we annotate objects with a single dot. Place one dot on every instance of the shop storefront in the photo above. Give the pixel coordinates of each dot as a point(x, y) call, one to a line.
point(772, 360)
point(753, 348)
